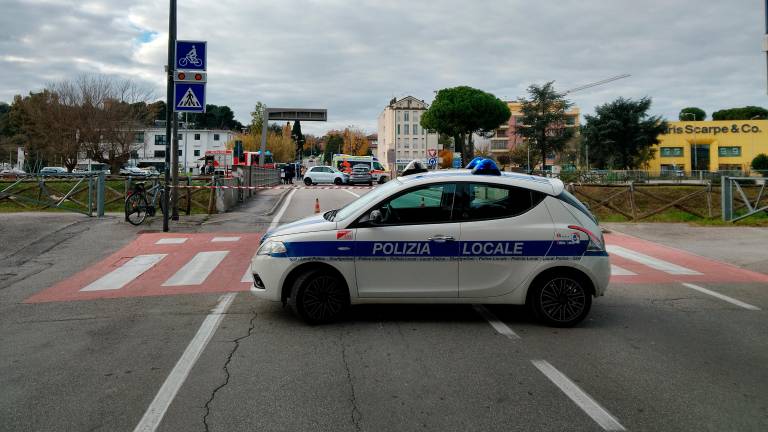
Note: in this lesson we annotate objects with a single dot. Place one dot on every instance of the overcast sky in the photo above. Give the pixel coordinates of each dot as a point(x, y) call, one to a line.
point(352, 56)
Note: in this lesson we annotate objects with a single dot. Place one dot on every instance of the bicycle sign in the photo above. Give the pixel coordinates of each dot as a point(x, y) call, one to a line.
point(190, 55)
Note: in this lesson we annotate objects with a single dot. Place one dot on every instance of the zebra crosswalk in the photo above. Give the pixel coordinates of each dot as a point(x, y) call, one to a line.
point(167, 264)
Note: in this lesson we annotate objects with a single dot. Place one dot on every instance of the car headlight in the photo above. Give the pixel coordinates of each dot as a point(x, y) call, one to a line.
point(271, 247)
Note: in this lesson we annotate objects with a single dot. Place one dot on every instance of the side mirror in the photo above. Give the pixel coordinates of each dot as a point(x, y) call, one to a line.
point(375, 217)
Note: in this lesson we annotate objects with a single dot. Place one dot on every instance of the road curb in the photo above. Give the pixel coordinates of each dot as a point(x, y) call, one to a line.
point(278, 203)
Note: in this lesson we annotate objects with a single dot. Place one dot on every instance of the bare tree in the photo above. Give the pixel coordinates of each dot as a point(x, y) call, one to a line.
point(105, 113)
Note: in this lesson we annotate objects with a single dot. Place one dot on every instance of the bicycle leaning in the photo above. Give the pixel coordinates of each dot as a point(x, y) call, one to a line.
point(142, 202)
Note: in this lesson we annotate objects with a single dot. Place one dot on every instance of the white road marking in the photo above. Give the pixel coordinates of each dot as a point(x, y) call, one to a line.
point(721, 297)
point(172, 240)
point(650, 261)
point(225, 239)
point(621, 271)
point(496, 323)
point(350, 192)
point(197, 269)
point(247, 276)
point(279, 215)
point(126, 273)
point(579, 397)
point(154, 414)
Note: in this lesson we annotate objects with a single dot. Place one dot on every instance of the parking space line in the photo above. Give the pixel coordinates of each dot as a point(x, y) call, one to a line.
point(722, 297)
point(124, 274)
point(650, 261)
point(621, 271)
point(171, 240)
point(351, 193)
point(225, 239)
point(197, 269)
point(496, 323)
point(579, 397)
point(154, 414)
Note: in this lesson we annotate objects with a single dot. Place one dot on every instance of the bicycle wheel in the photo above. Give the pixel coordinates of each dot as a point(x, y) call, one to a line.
point(183, 61)
point(136, 209)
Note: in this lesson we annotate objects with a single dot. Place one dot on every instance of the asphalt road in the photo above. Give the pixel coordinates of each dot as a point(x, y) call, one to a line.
point(651, 356)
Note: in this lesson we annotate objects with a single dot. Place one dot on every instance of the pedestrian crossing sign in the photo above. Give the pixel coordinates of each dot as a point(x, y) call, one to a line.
point(189, 97)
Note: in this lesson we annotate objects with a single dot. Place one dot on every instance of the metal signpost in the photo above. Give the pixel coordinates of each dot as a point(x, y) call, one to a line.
point(186, 93)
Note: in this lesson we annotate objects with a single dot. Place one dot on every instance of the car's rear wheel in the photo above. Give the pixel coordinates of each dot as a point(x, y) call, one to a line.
point(319, 296)
point(337, 181)
point(560, 300)
point(308, 181)
point(382, 180)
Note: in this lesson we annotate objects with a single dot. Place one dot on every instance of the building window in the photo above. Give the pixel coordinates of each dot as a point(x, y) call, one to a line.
point(406, 129)
point(134, 154)
point(416, 116)
point(671, 151)
point(179, 152)
point(407, 142)
point(399, 117)
point(398, 128)
point(729, 151)
point(159, 139)
point(570, 121)
point(500, 133)
point(159, 153)
point(197, 152)
point(215, 137)
point(197, 137)
point(405, 115)
point(139, 138)
point(415, 129)
point(729, 167)
point(180, 137)
point(498, 145)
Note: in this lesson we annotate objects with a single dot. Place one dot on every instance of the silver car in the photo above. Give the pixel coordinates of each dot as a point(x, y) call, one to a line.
point(361, 174)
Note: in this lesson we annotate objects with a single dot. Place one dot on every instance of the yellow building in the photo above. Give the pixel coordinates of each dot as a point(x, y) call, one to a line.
point(723, 145)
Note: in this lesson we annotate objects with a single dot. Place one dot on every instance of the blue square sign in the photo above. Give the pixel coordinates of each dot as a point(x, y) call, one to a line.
point(190, 55)
point(189, 97)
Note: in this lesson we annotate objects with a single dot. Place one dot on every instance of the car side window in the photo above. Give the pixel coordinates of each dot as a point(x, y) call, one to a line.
point(485, 201)
point(428, 204)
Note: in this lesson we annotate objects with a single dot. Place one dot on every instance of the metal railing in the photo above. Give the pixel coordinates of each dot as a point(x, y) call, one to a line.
point(75, 192)
point(727, 196)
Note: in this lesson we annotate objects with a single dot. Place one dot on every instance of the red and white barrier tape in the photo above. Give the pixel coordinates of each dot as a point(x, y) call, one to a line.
point(272, 187)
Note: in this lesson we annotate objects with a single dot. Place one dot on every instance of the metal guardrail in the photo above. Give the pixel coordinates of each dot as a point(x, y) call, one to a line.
point(728, 184)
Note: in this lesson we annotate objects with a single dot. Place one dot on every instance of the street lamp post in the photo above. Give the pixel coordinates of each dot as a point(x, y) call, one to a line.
point(695, 153)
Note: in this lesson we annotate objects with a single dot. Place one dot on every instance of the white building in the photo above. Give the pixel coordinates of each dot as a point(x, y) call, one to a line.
point(400, 136)
point(193, 143)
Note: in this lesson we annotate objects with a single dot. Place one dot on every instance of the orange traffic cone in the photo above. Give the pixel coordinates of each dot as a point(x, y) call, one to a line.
point(317, 205)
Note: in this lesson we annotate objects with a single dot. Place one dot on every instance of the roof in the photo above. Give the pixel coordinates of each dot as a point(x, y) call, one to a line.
point(541, 184)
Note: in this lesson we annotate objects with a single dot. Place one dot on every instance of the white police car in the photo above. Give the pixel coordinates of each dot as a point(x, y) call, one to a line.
point(456, 236)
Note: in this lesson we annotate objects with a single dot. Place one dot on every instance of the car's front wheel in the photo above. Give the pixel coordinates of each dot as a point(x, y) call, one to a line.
point(319, 296)
point(337, 181)
point(307, 181)
point(560, 300)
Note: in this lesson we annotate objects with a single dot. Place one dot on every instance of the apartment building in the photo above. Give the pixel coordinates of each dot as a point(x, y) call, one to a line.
point(401, 138)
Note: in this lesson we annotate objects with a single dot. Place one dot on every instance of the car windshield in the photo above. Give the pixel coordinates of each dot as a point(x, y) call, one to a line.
point(365, 200)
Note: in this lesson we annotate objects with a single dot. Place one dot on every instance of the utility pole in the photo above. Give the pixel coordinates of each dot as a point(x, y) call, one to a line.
point(169, 109)
point(765, 40)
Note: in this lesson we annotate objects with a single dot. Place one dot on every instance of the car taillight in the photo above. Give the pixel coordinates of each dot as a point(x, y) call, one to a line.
point(595, 242)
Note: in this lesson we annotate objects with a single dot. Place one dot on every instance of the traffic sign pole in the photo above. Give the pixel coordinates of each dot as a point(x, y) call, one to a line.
point(169, 107)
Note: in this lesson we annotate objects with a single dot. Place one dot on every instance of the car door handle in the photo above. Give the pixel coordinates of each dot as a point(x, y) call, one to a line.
point(441, 238)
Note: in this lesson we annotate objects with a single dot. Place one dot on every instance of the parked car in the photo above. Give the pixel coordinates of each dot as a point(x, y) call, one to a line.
point(482, 236)
point(361, 174)
point(324, 174)
point(53, 170)
point(133, 171)
point(12, 171)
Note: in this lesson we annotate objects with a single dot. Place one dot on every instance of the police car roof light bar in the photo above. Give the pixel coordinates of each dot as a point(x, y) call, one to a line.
point(474, 162)
point(486, 167)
